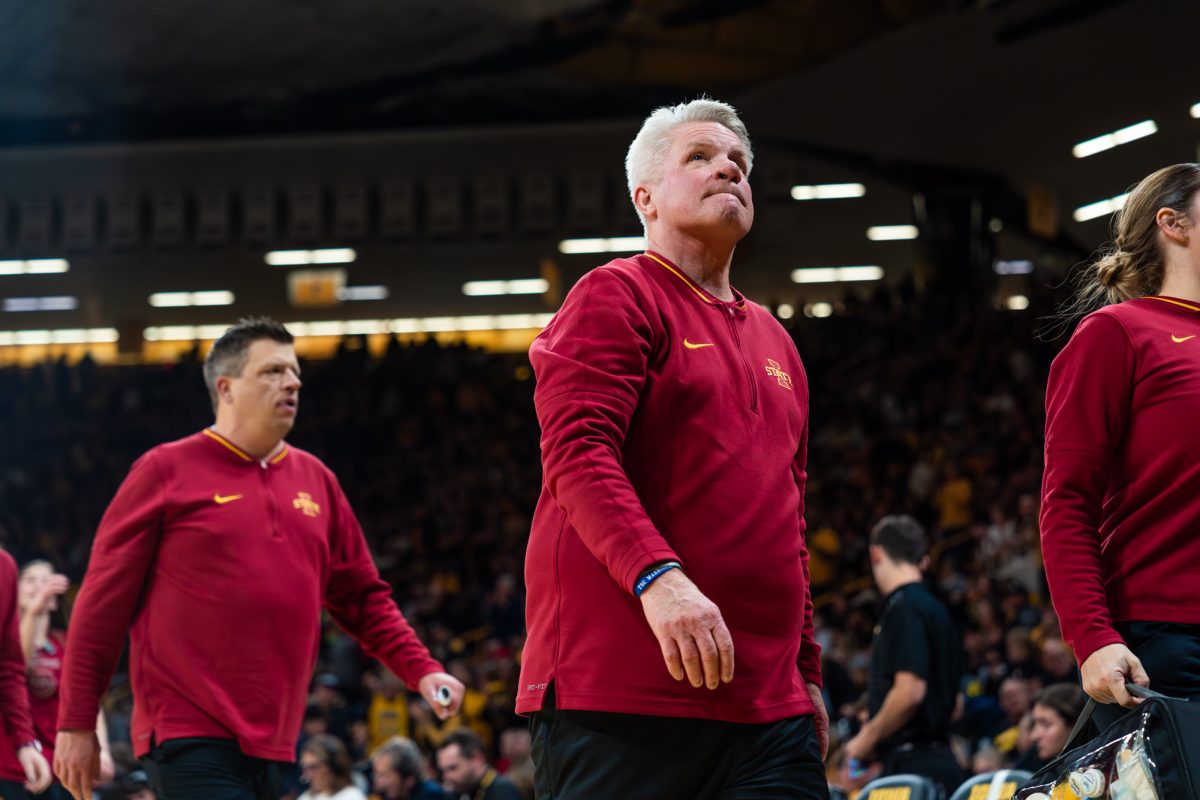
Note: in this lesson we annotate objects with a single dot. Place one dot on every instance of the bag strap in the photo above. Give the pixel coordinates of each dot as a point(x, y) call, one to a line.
point(1086, 715)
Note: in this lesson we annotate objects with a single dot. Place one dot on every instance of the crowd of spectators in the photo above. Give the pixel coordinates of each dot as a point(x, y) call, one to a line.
point(919, 405)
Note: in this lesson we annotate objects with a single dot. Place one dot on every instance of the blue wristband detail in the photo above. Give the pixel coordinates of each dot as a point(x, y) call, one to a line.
point(651, 576)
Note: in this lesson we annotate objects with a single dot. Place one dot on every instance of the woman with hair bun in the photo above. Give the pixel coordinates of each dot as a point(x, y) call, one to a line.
point(1120, 516)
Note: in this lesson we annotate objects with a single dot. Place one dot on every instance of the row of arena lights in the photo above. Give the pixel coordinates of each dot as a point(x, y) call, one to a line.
point(1107, 141)
point(188, 333)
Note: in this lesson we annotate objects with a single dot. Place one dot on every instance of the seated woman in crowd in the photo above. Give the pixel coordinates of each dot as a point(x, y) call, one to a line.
point(325, 767)
point(1055, 710)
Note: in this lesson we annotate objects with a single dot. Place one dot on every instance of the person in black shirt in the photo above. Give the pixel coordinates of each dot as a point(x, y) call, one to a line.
point(917, 661)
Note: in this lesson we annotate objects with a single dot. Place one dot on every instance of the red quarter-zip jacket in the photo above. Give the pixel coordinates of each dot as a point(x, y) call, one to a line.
point(674, 427)
point(14, 694)
point(223, 564)
point(1120, 514)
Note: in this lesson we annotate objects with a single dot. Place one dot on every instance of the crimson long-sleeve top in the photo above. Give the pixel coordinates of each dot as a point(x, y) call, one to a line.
point(674, 427)
point(222, 563)
point(1120, 514)
point(14, 694)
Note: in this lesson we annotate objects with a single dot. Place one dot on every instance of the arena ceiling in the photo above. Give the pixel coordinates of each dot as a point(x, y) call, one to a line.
point(1004, 86)
point(76, 70)
point(943, 96)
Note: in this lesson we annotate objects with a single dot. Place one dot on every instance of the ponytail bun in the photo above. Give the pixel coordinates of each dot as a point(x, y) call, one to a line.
point(1115, 273)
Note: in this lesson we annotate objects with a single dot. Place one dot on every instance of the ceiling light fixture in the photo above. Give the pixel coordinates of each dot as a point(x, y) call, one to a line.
point(892, 233)
point(611, 244)
point(828, 191)
point(1101, 208)
point(836, 274)
point(493, 288)
point(295, 258)
point(1110, 140)
point(34, 266)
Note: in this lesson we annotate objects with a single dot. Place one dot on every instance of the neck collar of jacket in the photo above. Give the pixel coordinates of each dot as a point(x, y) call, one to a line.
point(239, 454)
point(661, 262)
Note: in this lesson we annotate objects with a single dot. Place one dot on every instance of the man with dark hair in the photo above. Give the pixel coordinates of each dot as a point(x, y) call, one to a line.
point(397, 768)
point(466, 772)
point(221, 549)
point(917, 660)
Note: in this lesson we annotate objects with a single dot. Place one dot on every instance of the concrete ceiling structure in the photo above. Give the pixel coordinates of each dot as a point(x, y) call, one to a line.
point(943, 108)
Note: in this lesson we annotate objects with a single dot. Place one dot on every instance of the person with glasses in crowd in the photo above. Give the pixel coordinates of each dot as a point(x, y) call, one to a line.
point(325, 767)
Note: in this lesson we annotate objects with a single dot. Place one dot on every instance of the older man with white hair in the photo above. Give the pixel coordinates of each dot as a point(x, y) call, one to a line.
point(670, 650)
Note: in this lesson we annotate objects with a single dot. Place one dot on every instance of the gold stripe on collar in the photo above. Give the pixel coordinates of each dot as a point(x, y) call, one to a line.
point(1173, 302)
point(216, 437)
point(681, 277)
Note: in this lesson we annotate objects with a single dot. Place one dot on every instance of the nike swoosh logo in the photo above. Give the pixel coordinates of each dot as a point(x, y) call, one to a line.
point(1177, 339)
point(229, 498)
point(696, 345)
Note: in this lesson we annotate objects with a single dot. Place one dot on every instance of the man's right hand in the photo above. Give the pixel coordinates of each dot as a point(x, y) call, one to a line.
point(691, 633)
point(1106, 671)
point(77, 762)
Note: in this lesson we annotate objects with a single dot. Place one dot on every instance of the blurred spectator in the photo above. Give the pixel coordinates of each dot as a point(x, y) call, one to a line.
point(1058, 662)
point(1016, 699)
point(398, 773)
point(986, 759)
point(387, 714)
point(1055, 711)
point(135, 786)
point(327, 696)
point(325, 767)
point(466, 772)
point(517, 760)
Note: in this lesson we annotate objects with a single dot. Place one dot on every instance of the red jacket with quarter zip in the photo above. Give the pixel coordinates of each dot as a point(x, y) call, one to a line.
point(1120, 513)
point(674, 427)
point(223, 564)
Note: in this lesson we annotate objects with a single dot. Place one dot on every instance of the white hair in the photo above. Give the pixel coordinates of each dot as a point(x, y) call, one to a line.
point(648, 149)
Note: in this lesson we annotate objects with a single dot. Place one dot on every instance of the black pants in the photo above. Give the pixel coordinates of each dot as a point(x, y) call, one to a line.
point(10, 790)
point(210, 769)
point(588, 755)
point(1170, 653)
point(933, 760)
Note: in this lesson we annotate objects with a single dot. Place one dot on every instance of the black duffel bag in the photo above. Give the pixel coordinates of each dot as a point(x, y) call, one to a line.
point(1151, 753)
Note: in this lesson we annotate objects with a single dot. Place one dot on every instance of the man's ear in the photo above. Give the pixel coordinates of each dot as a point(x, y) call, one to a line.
point(224, 389)
point(643, 201)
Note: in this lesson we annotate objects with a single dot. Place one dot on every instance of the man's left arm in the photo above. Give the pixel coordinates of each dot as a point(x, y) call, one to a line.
point(809, 660)
point(899, 706)
point(361, 603)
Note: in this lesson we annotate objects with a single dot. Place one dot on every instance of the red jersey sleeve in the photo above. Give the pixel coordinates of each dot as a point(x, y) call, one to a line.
point(121, 556)
point(14, 696)
point(591, 364)
point(361, 602)
point(1088, 398)
point(810, 652)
